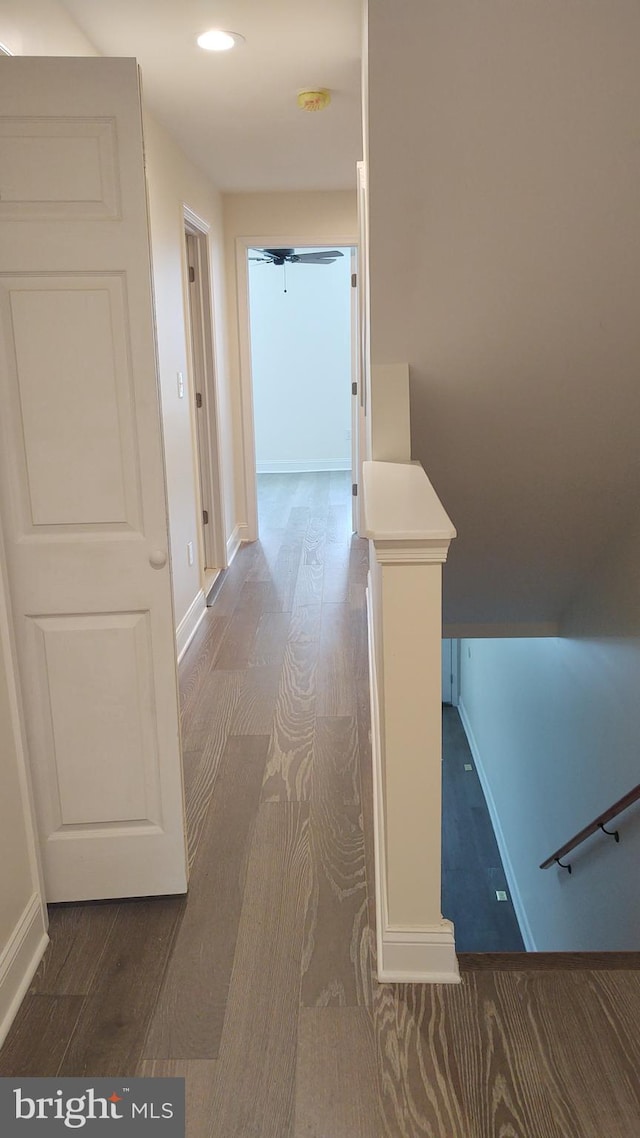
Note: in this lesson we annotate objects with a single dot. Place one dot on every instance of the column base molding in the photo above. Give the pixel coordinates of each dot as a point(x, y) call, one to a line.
point(418, 956)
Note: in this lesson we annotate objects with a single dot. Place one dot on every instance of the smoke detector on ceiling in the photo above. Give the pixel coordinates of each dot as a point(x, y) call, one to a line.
point(315, 100)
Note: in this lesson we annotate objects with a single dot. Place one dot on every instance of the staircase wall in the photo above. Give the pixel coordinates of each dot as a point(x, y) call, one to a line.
point(505, 267)
point(554, 724)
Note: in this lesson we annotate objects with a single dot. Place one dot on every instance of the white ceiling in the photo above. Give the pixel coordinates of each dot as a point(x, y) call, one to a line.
point(235, 113)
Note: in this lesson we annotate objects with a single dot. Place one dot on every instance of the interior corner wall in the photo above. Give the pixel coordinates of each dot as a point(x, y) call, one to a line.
point(301, 365)
point(306, 216)
point(41, 27)
point(554, 726)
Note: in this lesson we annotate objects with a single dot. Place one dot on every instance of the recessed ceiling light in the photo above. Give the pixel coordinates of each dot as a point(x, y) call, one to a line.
point(217, 40)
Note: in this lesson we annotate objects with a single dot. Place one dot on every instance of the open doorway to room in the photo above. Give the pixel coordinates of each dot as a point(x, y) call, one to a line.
point(301, 364)
point(299, 400)
point(211, 545)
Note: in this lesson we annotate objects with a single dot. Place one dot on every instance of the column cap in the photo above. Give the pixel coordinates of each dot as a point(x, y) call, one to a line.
point(402, 513)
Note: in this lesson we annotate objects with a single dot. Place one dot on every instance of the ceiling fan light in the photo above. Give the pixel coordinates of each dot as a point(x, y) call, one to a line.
point(218, 40)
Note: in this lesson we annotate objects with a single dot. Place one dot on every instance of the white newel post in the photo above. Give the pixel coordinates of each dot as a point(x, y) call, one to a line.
point(410, 534)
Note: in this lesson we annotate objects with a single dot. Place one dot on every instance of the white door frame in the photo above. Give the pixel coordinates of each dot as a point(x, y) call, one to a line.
point(243, 244)
point(206, 442)
point(357, 395)
point(364, 344)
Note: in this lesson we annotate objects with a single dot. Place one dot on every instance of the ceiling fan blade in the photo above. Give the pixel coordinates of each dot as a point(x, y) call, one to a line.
point(318, 258)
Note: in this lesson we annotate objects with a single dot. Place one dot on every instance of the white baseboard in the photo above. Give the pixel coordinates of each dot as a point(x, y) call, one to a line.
point(186, 630)
point(19, 961)
point(418, 956)
point(520, 911)
point(302, 466)
point(240, 534)
point(425, 955)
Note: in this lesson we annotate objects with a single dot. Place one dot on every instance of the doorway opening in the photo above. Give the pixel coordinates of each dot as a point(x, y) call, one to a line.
point(211, 544)
point(298, 306)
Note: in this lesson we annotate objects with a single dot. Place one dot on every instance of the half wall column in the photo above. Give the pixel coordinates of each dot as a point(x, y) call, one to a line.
point(410, 534)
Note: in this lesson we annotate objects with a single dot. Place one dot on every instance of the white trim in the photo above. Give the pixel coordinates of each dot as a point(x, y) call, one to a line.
point(194, 220)
point(409, 956)
point(406, 553)
point(455, 672)
point(301, 466)
point(208, 467)
point(243, 244)
point(239, 535)
point(186, 630)
point(8, 654)
point(419, 956)
point(4, 50)
point(514, 891)
point(470, 631)
point(402, 509)
point(19, 961)
point(376, 759)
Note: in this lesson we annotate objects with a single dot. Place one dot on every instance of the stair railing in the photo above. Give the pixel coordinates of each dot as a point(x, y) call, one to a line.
point(598, 823)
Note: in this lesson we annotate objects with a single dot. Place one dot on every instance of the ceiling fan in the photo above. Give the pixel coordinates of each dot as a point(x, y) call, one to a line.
point(289, 256)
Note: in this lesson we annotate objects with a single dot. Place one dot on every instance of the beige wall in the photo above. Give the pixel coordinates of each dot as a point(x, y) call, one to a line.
point(41, 27)
point(311, 217)
point(505, 268)
point(174, 181)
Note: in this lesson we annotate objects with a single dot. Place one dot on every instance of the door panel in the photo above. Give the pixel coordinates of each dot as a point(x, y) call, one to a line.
point(76, 412)
point(103, 755)
point(56, 167)
point(83, 498)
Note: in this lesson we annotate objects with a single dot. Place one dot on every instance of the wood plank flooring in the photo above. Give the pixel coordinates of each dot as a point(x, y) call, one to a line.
point(259, 987)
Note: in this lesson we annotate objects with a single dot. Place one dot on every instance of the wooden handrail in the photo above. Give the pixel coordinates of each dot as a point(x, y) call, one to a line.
point(593, 827)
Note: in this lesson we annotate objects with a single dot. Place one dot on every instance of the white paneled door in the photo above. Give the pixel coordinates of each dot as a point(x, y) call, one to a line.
point(82, 480)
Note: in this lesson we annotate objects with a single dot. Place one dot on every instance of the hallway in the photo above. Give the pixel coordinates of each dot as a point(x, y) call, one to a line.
point(259, 987)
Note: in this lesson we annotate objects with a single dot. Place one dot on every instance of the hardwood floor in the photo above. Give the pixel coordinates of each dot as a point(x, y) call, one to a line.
point(259, 987)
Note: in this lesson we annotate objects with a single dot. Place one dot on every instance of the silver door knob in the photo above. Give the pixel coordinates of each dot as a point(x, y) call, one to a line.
point(158, 559)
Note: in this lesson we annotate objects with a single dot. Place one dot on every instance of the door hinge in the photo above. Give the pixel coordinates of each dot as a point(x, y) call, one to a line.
point(354, 388)
point(198, 399)
point(354, 489)
point(192, 274)
point(205, 517)
point(354, 280)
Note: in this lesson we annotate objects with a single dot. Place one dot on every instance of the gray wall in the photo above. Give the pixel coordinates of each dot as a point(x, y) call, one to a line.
point(505, 269)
